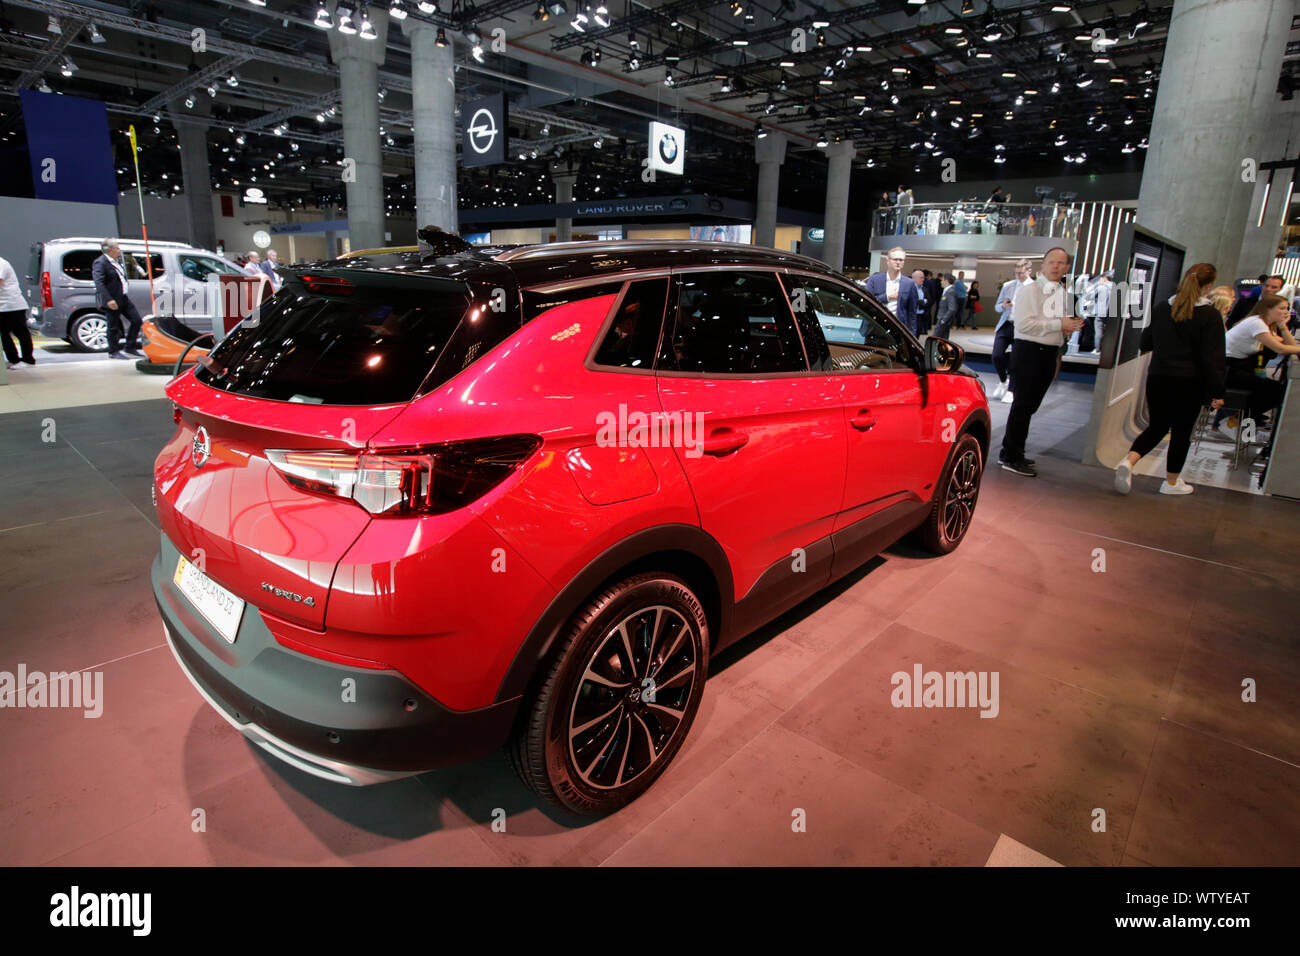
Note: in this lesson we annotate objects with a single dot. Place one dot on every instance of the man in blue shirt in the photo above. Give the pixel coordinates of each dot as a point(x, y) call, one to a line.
point(895, 291)
point(960, 286)
point(1004, 333)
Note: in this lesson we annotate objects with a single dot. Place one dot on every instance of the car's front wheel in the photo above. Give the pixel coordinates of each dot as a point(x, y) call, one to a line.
point(618, 697)
point(955, 498)
point(89, 333)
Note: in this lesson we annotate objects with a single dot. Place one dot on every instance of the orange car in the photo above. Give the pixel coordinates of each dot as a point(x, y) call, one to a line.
point(170, 346)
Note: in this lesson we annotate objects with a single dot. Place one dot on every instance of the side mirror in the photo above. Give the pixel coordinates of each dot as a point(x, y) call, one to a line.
point(942, 355)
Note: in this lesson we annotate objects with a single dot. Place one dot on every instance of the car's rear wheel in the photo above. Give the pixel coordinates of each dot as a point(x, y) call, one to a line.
point(618, 697)
point(954, 499)
point(89, 333)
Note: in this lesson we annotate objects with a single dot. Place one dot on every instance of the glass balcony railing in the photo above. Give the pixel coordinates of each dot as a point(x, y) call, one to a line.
point(1047, 220)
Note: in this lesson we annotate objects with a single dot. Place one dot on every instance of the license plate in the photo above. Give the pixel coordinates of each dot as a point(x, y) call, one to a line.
point(222, 609)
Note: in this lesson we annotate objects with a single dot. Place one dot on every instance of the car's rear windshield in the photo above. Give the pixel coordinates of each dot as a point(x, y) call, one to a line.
point(368, 345)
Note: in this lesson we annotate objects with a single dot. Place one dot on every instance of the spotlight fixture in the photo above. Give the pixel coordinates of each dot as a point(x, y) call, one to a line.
point(759, 131)
point(822, 141)
point(397, 10)
point(189, 102)
point(580, 21)
point(367, 28)
point(323, 18)
point(668, 78)
point(212, 90)
point(1128, 120)
point(67, 67)
point(53, 25)
point(345, 12)
point(541, 13)
point(737, 8)
point(232, 81)
point(595, 56)
point(1056, 87)
point(427, 6)
point(546, 129)
point(967, 7)
point(598, 143)
point(781, 83)
point(1128, 148)
point(477, 52)
point(999, 160)
point(472, 34)
point(157, 117)
point(558, 8)
point(726, 85)
point(601, 16)
point(770, 106)
point(1083, 81)
point(441, 38)
point(821, 38)
point(829, 71)
point(382, 92)
point(1062, 7)
point(95, 35)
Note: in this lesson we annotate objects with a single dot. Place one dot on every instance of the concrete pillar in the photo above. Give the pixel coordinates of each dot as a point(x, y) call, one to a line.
point(196, 176)
point(358, 62)
point(769, 153)
point(838, 174)
point(1259, 243)
point(1211, 113)
point(564, 193)
point(433, 101)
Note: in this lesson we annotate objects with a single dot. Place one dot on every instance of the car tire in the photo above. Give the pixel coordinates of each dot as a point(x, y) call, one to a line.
point(954, 499)
point(87, 330)
point(600, 679)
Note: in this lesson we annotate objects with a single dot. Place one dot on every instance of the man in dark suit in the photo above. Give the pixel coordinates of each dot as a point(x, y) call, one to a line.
point(933, 293)
point(109, 272)
point(895, 291)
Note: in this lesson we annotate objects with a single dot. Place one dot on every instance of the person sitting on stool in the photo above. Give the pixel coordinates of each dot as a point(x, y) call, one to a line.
point(109, 273)
point(1265, 325)
point(1041, 329)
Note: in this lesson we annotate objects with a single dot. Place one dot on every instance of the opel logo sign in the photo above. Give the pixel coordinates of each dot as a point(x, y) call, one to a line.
point(482, 131)
point(201, 449)
point(668, 148)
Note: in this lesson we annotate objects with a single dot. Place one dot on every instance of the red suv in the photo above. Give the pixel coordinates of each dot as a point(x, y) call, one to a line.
point(423, 505)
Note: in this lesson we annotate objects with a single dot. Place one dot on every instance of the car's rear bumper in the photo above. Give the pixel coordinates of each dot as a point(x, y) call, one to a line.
point(347, 724)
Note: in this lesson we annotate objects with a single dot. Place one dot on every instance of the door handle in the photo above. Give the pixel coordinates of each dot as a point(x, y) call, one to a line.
point(863, 420)
point(724, 442)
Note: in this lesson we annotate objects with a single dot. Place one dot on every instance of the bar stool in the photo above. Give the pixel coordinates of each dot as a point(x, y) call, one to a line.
point(1234, 400)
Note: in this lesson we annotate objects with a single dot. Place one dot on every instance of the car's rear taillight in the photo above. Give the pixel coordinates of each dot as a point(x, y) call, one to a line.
point(432, 479)
point(47, 297)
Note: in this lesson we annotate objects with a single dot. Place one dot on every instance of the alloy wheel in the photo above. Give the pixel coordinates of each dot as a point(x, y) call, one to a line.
point(632, 697)
point(963, 487)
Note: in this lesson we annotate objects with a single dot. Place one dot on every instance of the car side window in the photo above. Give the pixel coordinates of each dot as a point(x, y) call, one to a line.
point(136, 268)
point(633, 336)
point(860, 335)
point(200, 267)
point(732, 322)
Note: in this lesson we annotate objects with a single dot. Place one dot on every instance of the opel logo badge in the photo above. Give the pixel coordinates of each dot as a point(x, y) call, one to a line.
point(201, 449)
point(668, 147)
point(482, 129)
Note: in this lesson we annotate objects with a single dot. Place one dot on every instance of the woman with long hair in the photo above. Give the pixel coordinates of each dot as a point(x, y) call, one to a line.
point(1265, 327)
point(1223, 299)
point(972, 300)
point(1187, 369)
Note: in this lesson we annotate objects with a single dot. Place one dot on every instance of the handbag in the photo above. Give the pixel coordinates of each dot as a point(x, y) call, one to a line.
point(979, 307)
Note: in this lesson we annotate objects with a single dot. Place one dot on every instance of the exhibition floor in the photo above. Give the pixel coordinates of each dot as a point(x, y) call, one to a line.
point(1120, 691)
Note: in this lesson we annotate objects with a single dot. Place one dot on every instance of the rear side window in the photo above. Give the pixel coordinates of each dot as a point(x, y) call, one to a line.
point(374, 345)
point(733, 323)
point(78, 263)
point(633, 336)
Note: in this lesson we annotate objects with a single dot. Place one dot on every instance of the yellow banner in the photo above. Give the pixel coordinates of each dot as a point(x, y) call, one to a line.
point(131, 132)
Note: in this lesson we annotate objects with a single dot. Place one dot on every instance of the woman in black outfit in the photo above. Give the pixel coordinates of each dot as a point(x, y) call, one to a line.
point(972, 300)
point(1187, 369)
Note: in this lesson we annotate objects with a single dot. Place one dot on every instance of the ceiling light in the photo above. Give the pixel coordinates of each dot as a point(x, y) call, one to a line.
point(1056, 87)
point(472, 34)
point(894, 99)
point(759, 131)
point(1128, 120)
point(1083, 81)
point(427, 6)
point(967, 7)
point(323, 18)
point(1128, 148)
point(668, 78)
point(441, 38)
point(367, 28)
point(397, 10)
point(821, 38)
point(558, 8)
point(737, 8)
point(599, 142)
point(952, 31)
point(212, 90)
point(1062, 7)
point(822, 141)
point(602, 15)
point(999, 160)
point(346, 25)
point(189, 102)
point(67, 67)
point(53, 25)
point(95, 35)
point(579, 22)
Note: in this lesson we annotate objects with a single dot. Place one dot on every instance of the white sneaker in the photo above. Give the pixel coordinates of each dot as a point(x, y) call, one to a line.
point(1008, 398)
point(999, 391)
point(1179, 487)
point(12, 364)
point(1124, 477)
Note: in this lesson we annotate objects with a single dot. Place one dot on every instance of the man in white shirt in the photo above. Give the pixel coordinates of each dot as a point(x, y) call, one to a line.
point(253, 265)
point(13, 319)
point(895, 291)
point(1041, 329)
point(918, 280)
point(1004, 332)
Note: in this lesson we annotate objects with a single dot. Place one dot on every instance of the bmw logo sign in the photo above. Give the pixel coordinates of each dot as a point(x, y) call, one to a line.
point(668, 148)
